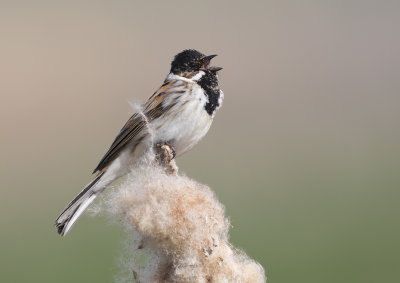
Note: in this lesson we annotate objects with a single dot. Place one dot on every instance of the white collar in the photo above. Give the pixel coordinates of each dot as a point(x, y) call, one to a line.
point(194, 79)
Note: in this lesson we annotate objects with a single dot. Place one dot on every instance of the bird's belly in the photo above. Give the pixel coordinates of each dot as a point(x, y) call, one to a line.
point(183, 127)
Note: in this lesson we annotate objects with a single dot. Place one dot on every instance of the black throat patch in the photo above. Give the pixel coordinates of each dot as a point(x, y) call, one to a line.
point(209, 83)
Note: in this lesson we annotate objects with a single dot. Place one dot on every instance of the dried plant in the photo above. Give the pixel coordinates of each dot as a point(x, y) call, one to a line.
point(177, 230)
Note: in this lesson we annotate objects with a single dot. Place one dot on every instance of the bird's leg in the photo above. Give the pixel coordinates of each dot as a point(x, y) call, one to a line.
point(170, 147)
point(165, 154)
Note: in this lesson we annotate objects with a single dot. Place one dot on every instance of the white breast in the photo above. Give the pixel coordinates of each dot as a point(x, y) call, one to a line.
point(185, 124)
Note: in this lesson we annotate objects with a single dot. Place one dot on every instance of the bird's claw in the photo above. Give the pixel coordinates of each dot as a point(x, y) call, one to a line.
point(165, 154)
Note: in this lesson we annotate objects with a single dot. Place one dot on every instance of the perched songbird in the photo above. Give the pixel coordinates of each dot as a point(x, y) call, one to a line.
point(179, 114)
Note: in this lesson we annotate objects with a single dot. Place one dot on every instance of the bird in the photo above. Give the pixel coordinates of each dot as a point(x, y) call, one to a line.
point(179, 114)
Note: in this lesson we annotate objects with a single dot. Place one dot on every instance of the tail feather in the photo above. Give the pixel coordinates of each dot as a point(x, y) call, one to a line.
point(78, 205)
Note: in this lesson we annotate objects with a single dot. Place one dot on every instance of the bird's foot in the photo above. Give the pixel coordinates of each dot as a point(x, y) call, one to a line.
point(165, 154)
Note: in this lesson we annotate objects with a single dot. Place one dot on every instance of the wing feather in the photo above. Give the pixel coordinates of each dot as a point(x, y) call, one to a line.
point(136, 124)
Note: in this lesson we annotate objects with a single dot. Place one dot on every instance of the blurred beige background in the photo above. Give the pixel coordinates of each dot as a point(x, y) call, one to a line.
point(305, 152)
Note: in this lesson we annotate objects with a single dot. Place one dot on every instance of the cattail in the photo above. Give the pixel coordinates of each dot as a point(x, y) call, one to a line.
point(177, 229)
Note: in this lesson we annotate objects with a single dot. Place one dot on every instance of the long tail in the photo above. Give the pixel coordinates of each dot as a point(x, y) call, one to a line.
point(78, 205)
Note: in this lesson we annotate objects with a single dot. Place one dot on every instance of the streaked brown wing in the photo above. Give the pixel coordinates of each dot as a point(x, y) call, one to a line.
point(136, 123)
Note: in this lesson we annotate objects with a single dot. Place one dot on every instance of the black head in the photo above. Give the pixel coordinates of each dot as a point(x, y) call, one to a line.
point(189, 62)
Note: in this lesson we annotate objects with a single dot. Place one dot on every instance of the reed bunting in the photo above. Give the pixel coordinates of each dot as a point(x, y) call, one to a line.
point(179, 114)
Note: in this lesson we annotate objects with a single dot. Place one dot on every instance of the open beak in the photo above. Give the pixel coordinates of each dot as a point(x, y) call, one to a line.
point(207, 60)
point(215, 69)
point(209, 57)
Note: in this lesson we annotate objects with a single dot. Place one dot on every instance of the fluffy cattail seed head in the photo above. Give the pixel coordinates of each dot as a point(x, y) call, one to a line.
point(177, 230)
